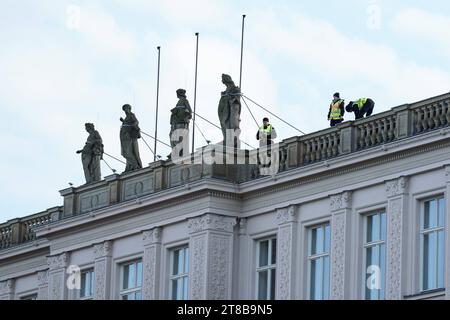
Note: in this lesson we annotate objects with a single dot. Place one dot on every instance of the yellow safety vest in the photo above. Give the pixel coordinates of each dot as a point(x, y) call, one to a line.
point(335, 113)
point(360, 102)
point(267, 130)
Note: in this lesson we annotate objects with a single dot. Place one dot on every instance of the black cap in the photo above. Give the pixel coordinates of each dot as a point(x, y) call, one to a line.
point(336, 95)
point(266, 119)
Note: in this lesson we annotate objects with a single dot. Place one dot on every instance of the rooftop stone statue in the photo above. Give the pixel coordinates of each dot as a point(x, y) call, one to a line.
point(129, 135)
point(180, 117)
point(91, 154)
point(229, 106)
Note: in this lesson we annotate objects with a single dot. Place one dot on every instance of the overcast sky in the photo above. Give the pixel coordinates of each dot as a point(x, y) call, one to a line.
point(64, 63)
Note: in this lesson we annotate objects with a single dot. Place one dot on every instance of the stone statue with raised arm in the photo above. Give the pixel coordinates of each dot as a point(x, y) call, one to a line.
point(229, 106)
point(129, 135)
point(179, 119)
point(91, 154)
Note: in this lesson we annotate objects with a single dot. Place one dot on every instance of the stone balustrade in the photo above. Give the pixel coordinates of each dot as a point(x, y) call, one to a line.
point(18, 231)
point(351, 136)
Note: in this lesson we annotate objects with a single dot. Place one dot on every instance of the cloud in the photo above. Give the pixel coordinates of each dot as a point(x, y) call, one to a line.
point(102, 33)
point(179, 14)
point(60, 78)
point(56, 79)
point(350, 63)
point(424, 26)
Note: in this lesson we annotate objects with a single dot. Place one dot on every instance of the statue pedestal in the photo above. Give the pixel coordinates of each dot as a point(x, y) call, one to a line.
point(233, 164)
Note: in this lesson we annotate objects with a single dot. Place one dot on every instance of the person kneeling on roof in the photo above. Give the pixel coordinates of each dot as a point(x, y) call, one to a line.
point(361, 107)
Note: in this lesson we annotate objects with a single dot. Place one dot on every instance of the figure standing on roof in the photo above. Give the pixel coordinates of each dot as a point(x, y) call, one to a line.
point(336, 111)
point(91, 154)
point(229, 106)
point(181, 115)
point(129, 135)
point(266, 133)
point(361, 107)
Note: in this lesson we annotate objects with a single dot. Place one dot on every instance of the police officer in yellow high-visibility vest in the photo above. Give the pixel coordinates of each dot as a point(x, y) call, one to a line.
point(336, 112)
point(361, 107)
point(266, 133)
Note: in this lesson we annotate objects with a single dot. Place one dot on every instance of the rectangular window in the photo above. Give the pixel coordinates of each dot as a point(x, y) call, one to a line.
point(432, 243)
point(87, 284)
point(30, 297)
point(179, 274)
point(375, 256)
point(131, 281)
point(266, 268)
point(319, 262)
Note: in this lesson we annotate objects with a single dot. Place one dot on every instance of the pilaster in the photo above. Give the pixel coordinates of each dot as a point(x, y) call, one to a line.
point(340, 245)
point(102, 270)
point(7, 289)
point(151, 264)
point(396, 192)
point(211, 252)
point(57, 277)
point(286, 239)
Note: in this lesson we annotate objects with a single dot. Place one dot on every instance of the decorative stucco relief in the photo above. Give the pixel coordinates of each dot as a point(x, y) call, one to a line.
point(198, 265)
point(212, 222)
point(286, 215)
point(152, 236)
point(103, 249)
point(337, 256)
point(396, 187)
point(394, 249)
point(219, 267)
point(341, 201)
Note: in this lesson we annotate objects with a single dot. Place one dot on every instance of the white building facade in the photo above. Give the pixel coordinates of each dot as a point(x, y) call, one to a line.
point(358, 211)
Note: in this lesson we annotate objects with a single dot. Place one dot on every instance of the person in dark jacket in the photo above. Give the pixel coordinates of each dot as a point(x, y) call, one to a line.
point(361, 107)
point(266, 133)
point(336, 111)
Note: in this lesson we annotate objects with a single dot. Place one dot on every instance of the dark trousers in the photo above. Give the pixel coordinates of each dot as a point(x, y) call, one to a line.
point(335, 122)
point(366, 110)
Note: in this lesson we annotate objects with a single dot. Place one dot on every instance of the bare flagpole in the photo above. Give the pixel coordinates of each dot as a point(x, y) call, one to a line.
point(157, 102)
point(242, 51)
point(195, 93)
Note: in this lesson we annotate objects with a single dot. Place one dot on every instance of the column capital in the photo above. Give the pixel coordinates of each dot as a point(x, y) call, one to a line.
point(242, 226)
point(103, 249)
point(42, 278)
point(447, 172)
point(396, 187)
point(286, 215)
point(341, 201)
point(58, 261)
point(151, 236)
point(211, 222)
point(7, 286)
